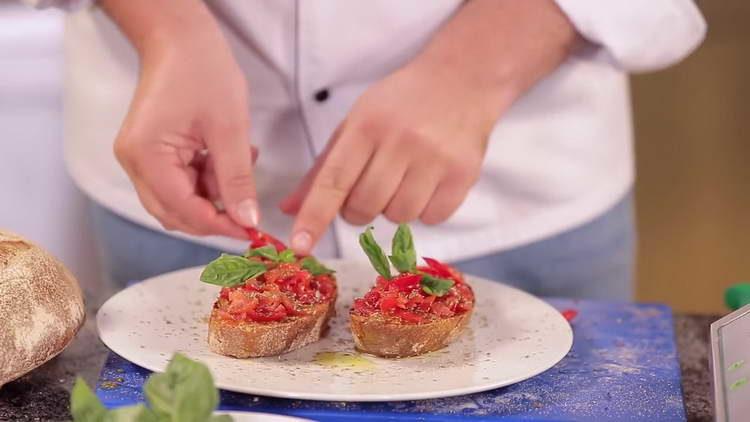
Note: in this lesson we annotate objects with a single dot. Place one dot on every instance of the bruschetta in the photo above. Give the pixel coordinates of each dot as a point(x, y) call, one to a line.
point(418, 310)
point(271, 301)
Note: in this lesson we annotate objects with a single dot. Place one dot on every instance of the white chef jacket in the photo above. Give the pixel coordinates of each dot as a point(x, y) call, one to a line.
point(559, 157)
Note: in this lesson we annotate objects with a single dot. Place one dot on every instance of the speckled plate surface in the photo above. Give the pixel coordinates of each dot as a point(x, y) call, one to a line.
point(261, 417)
point(512, 337)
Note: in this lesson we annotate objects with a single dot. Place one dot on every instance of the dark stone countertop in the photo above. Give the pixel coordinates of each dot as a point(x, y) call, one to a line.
point(42, 395)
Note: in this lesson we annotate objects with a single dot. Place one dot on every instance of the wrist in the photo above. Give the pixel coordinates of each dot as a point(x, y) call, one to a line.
point(157, 28)
point(498, 49)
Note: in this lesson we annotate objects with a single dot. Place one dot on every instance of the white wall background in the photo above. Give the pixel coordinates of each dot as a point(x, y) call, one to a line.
point(37, 198)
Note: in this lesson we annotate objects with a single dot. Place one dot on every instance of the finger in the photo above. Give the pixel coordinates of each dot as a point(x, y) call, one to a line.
point(413, 194)
point(228, 147)
point(153, 205)
point(448, 196)
point(292, 203)
point(376, 186)
point(330, 188)
point(171, 182)
point(208, 186)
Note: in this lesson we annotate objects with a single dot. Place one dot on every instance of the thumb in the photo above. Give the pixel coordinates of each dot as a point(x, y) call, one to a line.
point(234, 174)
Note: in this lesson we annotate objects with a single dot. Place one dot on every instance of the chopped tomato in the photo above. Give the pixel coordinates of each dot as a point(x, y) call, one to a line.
point(441, 309)
point(407, 282)
point(388, 303)
point(280, 292)
point(426, 303)
point(259, 239)
point(402, 298)
point(440, 269)
point(275, 314)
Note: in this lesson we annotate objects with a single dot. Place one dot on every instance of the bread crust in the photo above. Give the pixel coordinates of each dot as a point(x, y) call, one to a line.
point(375, 335)
point(242, 339)
point(41, 307)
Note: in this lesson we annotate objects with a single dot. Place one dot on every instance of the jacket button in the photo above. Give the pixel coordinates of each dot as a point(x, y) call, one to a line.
point(322, 95)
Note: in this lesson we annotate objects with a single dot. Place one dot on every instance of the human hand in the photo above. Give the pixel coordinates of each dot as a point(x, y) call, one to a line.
point(410, 148)
point(184, 143)
point(413, 144)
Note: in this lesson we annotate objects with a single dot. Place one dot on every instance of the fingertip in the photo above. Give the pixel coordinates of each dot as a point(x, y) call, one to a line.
point(301, 242)
point(246, 213)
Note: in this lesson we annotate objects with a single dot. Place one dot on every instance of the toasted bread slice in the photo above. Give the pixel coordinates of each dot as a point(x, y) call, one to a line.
point(242, 339)
point(378, 336)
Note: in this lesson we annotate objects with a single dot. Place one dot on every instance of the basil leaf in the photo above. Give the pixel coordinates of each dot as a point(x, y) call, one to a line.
point(374, 253)
point(267, 251)
point(184, 392)
point(137, 413)
point(231, 270)
point(435, 286)
point(287, 255)
point(315, 267)
point(84, 405)
point(404, 256)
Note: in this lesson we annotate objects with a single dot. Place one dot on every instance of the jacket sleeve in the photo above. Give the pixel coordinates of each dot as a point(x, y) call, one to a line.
point(69, 5)
point(638, 35)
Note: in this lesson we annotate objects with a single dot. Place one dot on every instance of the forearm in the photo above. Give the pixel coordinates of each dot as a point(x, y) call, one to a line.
point(501, 48)
point(155, 27)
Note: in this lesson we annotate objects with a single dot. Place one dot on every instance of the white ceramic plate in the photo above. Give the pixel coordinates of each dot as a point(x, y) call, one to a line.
point(261, 417)
point(512, 336)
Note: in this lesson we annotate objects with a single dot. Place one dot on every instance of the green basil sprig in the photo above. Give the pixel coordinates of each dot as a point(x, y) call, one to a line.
point(375, 253)
point(184, 392)
point(269, 252)
point(435, 286)
point(231, 270)
point(315, 267)
point(404, 256)
point(287, 255)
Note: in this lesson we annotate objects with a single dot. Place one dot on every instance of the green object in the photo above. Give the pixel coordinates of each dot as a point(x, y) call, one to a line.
point(737, 296)
point(268, 252)
point(287, 255)
point(403, 257)
point(737, 384)
point(375, 253)
point(435, 286)
point(315, 267)
point(231, 270)
point(184, 392)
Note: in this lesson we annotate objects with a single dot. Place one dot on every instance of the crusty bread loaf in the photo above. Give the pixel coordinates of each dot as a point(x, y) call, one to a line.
point(41, 307)
point(255, 339)
point(372, 334)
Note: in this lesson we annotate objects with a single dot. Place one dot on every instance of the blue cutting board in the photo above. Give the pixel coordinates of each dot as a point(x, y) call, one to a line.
point(623, 367)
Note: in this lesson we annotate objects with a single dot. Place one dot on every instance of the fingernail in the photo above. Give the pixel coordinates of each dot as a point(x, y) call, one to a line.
point(247, 212)
point(301, 242)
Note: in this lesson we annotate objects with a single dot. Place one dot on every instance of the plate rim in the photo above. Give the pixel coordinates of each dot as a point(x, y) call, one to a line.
point(311, 396)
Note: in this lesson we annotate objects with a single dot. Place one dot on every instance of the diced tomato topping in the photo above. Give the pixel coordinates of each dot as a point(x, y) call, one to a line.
point(388, 303)
point(441, 309)
point(268, 315)
point(407, 282)
point(440, 269)
point(281, 292)
point(225, 293)
point(259, 239)
point(402, 296)
point(426, 303)
point(372, 297)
